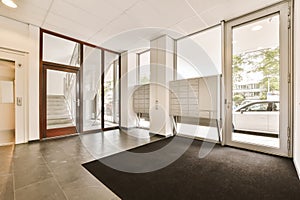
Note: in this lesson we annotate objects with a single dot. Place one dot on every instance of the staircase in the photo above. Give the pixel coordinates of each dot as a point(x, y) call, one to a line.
point(58, 112)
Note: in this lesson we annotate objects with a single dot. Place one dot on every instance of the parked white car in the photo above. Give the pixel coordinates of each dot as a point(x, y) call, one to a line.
point(259, 117)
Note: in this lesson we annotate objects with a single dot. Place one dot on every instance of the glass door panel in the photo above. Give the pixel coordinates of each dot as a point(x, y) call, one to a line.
point(61, 109)
point(256, 83)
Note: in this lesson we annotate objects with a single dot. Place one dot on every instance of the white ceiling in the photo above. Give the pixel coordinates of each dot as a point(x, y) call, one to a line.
point(128, 24)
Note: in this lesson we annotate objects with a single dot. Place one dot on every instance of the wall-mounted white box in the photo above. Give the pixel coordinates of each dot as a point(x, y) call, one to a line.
point(6, 92)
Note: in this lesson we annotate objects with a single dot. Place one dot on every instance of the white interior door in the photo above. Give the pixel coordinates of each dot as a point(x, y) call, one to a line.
point(257, 81)
point(20, 92)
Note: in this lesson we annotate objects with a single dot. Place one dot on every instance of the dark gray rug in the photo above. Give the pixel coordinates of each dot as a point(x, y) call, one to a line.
point(225, 173)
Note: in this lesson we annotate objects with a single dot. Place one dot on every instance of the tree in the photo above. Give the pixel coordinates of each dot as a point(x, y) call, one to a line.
point(269, 66)
point(237, 62)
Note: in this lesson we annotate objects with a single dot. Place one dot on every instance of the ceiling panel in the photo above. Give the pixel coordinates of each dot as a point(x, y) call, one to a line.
point(191, 25)
point(67, 26)
point(39, 4)
point(121, 25)
point(77, 15)
point(27, 11)
point(122, 5)
point(201, 6)
point(172, 11)
point(146, 15)
point(100, 8)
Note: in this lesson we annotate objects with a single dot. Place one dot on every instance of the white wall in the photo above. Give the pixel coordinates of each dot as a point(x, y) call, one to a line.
point(297, 86)
point(23, 37)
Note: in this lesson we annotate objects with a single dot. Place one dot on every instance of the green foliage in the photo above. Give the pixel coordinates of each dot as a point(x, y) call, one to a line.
point(144, 80)
point(238, 99)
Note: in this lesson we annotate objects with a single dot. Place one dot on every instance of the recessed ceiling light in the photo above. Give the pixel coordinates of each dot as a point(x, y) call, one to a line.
point(256, 28)
point(10, 3)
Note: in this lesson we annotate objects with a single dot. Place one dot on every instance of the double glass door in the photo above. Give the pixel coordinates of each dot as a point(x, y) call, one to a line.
point(257, 85)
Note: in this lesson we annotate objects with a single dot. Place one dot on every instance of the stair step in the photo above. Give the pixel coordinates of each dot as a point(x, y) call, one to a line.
point(59, 121)
point(66, 116)
point(50, 107)
point(55, 97)
point(61, 101)
point(57, 102)
point(57, 111)
point(60, 125)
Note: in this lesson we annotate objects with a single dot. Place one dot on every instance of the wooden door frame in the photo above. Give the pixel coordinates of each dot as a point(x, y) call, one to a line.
point(43, 100)
point(79, 116)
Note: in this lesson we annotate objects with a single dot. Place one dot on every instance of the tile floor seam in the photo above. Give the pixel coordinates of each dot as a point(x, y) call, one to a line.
point(29, 185)
point(13, 176)
point(55, 179)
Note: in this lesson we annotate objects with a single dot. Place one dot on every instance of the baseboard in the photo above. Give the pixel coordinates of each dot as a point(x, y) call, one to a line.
point(198, 138)
point(34, 141)
point(297, 166)
point(167, 135)
point(127, 128)
point(7, 144)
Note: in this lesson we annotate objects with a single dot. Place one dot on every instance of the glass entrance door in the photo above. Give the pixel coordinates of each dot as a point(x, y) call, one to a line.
point(257, 84)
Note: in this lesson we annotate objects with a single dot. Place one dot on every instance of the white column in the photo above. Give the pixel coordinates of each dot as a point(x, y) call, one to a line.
point(162, 65)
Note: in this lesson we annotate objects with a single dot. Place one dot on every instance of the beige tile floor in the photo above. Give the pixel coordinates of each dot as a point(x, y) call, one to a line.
point(52, 169)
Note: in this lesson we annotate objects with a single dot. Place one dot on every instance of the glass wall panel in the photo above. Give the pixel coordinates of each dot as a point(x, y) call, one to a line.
point(199, 55)
point(199, 66)
point(111, 90)
point(91, 88)
point(61, 51)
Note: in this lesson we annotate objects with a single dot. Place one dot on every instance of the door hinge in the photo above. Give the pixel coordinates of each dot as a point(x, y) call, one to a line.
point(289, 139)
point(289, 78)
point(289, 18)
point(289, 133)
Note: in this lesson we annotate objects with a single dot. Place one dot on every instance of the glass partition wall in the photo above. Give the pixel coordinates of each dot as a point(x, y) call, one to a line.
point(91, 84)
point(79, 86)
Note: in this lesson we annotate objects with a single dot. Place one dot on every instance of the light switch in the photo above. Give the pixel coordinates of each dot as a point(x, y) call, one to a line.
point(19, 101)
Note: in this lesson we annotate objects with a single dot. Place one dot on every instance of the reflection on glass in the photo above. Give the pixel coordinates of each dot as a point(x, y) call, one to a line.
point(61, 99)
point(255, 82)
point(61, 51)
point(144, 68)
point(111, 90)
point(91, 88)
